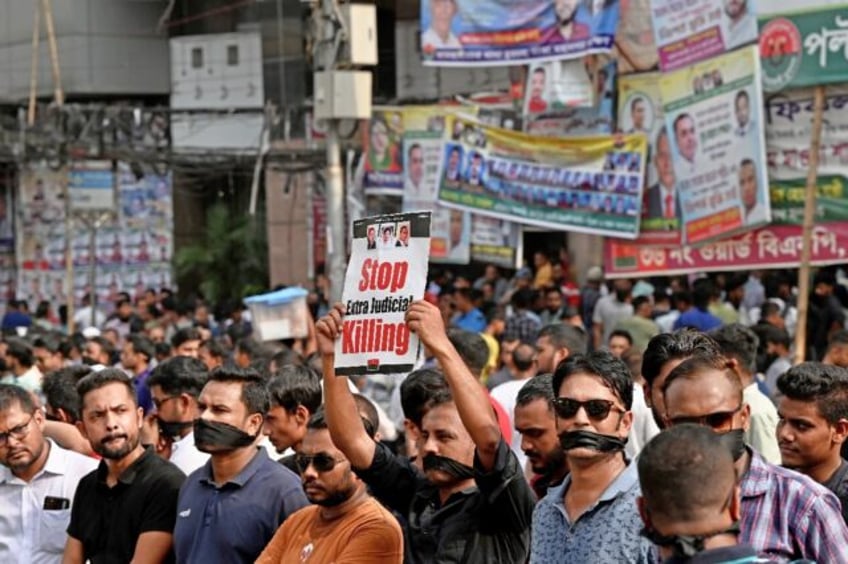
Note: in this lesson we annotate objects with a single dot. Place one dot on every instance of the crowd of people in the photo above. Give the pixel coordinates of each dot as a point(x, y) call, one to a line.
point(633, 421)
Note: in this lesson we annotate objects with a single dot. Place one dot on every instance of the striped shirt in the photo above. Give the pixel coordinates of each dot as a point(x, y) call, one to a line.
point(788, 516)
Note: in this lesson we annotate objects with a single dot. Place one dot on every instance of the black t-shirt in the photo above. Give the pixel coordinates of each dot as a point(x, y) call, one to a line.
point(838, 484)
point(108, 521)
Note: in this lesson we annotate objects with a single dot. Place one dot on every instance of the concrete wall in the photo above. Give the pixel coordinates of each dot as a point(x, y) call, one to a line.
point(288, 227)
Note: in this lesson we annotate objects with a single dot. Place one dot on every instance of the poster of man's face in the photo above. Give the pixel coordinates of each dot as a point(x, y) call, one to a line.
point(686, 137)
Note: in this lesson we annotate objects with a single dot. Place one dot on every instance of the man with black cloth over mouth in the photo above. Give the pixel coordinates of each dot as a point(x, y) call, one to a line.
point(471, 503)
point(592, 518)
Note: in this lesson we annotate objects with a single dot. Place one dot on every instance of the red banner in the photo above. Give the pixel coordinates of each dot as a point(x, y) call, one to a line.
point(777, 246)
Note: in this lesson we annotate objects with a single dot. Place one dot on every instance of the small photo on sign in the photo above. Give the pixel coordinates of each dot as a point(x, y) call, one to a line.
point(387, 235)
point(403, 234)
point(371, 235)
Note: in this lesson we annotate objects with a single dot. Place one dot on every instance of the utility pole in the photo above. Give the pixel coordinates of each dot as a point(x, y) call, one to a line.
point(343, 36)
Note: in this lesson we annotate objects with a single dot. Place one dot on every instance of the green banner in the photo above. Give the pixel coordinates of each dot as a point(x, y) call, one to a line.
point(787, 200)
point(805, 48)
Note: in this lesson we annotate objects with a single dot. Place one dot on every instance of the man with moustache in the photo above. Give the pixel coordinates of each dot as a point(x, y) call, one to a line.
point(662, 198)
point(470, 503)
point(345, 524)
point(592, 516)
point(230, 507)
point(567, 29)
point(785, 515)
point(536, 423)
point(125, 510)
point(38, 479)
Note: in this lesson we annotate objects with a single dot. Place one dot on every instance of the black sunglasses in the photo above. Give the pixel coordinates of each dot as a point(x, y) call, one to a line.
point(718, 421)
point(597, 409)
point(322, 462)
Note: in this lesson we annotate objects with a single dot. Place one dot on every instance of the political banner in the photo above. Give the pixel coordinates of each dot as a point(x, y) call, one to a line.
point(635, 49)
point(500, 32)
point(386, 273)
point(689, 31)
point(640, 111)
point(718, 145)
point(587, 184)
point(558, 85)
point(804, 48)
point(383, 158)
point(547, 117)
point(788, 124)
point(776, 246)
point(494, 241)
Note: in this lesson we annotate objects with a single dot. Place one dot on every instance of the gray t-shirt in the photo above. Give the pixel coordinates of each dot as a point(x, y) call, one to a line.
point(608, 312)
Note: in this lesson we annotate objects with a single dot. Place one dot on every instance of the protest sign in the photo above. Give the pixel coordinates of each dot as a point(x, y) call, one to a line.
point(803, 48)
point(588, 184)
point(787, 131)
point(386, 273)
point(556, 120)
point(498, 32)
point(718, 145)
point(383, 158)
point(689, 31)
point(640, 111)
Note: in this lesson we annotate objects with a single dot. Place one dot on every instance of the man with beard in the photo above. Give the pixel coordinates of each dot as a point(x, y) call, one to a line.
point(345, 524)
point(470, 504)
point(136, 356)
point(230, 507)
point(741, 23)
point(785, 515)
point(567, 29)
point(555, 343)
point(536, 423)
point(592, 516)
point(175, 386)
point(97, 353)
point(125, 510)
point(664, 353)
point(38, 479)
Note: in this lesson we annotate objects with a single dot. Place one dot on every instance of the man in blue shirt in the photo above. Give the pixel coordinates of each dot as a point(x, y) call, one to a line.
point(699, 316)
point(592, 518)
point(230, 508)
point(468, 318)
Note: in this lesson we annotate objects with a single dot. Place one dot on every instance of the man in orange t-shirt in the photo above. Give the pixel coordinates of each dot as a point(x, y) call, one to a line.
point(345, 524)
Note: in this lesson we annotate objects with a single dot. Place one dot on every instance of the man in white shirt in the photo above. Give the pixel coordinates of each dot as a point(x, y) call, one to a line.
point(175, 386)
point(686, 139)
point(741, 24)
point(38, 479)
point(21, 364)
point(414, 188)
point(439, 35)
point(754, 211)
point(82, 318)
point(742, 108)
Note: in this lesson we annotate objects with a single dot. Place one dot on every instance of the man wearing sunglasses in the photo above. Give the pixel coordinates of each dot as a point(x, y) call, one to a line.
point(345, 524)
point(785, 515)
point(38, 479)
point(592, 516)
point(471, 503)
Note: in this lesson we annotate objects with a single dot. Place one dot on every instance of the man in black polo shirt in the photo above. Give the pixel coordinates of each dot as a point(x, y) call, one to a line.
point(471, 503)
point(125, 510)
point(813, 425)
point(230, 507)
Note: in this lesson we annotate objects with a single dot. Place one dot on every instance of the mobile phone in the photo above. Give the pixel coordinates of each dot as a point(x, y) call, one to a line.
point(56, 503)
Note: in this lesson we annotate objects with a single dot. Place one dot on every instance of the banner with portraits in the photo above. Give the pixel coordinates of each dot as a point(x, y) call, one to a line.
point(689, 31)
point(387, 271)
point(806, 47)
point(504, 32)
point(718, 145)
point(133, 251)
point(587, 184)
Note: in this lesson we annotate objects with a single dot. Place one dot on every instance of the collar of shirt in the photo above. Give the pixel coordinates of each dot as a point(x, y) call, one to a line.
point(183, 442)
point(205, 477)
point(55, 464)
point(127, 477)
point(624, 482)
point(758, 479)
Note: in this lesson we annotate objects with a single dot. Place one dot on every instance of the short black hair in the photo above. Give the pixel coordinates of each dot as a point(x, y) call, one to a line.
point(768, 309)
point(60, 389)
point(703, 291)
point(524, 356)
point(254, 394)
point(623, 333)
point(738, 342)
point(286, 357)
point(252, 348)
point(105, 345)
point(674, 346)
point(639, 301)
point(523, 298)
point(318, 421)
point(20, 351)
point(472, 348)
point(179, 375)
point(823, 384)
point(563, 335)
point(11, 394)
point(686, 472)
point(50, 342)
point(101, 378)
point(776, 335)
point(368, 413)
point(185, 335)
point(422, 390)
point(538, 387)
point(214, 347)
point(838, 338)
point(694, 367)
point(294, 385)
point(143, 345)
point(611, 370)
